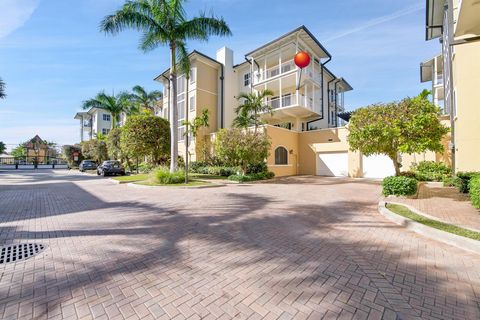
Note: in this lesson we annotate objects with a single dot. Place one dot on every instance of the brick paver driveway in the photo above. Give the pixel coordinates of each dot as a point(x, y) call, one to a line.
point(300, 248)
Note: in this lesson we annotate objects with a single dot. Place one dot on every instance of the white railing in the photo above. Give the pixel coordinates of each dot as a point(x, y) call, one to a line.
point(295, 99)
point(286, 67)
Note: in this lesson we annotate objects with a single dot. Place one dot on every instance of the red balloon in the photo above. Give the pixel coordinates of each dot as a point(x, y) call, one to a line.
point(302, 59)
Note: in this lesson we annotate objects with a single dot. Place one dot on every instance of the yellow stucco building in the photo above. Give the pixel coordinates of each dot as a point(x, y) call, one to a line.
point(456, 75)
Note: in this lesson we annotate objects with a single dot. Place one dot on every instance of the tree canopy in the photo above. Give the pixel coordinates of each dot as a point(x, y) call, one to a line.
point(114, 104)
point(145, 135)
point(2, 147)
point(95, 150)
point(236, 147)
point(409, 126)
point(165, 23)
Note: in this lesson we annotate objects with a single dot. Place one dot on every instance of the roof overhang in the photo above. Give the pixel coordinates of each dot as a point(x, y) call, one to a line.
point(303, 34)
point(343, 85)
point(426, 70)
point(434, 19)
point(191, 56)
point(80, 115)
point(468, 21)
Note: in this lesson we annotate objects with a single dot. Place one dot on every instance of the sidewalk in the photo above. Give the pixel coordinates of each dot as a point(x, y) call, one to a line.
point(446, 204)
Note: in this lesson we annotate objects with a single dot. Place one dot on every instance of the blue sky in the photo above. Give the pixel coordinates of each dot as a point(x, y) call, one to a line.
point(53, 57)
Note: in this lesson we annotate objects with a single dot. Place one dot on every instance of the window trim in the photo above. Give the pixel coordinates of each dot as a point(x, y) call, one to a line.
point(275, 156)
point(106, 115)
point(247, 78)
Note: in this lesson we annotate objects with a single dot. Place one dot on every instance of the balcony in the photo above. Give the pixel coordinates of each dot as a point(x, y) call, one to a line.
point(284, 69)
point(294, 104)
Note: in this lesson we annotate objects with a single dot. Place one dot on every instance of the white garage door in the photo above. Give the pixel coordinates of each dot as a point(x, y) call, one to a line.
point(332, 164)
point(377, 166)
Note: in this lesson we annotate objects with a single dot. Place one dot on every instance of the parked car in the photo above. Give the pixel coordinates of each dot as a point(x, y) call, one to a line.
point(110, 167)
point(87, 165)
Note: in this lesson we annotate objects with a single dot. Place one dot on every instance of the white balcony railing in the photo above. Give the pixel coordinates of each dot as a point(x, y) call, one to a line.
point(285, 68)
point(295, 99)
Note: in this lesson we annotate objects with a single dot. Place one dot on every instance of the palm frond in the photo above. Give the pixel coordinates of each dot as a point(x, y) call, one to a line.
point(202, 27)
point(2, 89)
point(183, 59)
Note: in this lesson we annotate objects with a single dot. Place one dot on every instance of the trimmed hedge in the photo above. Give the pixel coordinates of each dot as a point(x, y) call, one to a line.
point(474, 185)
point(431, 171)
point(252, 177)
point(399, 186)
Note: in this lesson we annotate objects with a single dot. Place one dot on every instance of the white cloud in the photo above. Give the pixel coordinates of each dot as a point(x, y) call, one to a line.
point(14, 14)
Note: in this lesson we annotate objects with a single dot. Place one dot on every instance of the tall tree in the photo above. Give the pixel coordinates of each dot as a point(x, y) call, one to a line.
point(164, 22)
point(145, 100)
point(115, 104)
point(2, 147)
point(409, 126)
point(2, 89)
point(253, 104)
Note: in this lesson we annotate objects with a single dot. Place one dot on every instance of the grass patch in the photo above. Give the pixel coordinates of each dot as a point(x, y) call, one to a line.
point(407, 213)
point(131, 178)
point(205, 176)
point(191, 183)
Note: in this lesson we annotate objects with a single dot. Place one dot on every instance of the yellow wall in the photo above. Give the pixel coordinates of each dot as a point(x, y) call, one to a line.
point(289, 140)
point(466, 80)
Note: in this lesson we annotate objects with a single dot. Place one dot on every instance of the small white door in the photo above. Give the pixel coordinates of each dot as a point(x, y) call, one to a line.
point(333, 164)
point(377, 166)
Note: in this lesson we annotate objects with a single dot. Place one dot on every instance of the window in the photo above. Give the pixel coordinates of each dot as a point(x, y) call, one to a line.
point(105, 131)
point(246, 79)
point(192, 103)
point(181, 133)
point(106, 117)
point(193, 75)
point(332, 118)
point(281, 156)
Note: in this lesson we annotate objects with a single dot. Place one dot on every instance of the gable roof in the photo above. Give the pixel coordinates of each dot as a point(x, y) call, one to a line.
point(305, 35)
point(190, 56)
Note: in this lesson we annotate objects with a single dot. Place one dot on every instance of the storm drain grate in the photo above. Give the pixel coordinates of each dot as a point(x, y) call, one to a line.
point(16, 252)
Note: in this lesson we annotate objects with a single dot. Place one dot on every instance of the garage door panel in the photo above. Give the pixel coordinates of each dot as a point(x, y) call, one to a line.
point(377, 166)
point(333, 164)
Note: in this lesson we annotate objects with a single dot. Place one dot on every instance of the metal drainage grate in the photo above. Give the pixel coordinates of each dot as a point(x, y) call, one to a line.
point(17, 252)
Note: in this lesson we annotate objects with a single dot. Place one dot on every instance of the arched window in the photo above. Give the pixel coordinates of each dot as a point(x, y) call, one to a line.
point(281, 155)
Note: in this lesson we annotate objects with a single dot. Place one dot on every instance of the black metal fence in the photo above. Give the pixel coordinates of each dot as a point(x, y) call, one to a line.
point(33, 163)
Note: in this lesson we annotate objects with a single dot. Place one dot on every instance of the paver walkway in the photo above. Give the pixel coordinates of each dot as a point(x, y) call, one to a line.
point(447, 204)
point(301, 248)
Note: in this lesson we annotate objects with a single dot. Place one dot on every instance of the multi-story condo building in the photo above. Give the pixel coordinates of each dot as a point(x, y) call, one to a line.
point(300, 103)
point(94, 121)
point(456, 24)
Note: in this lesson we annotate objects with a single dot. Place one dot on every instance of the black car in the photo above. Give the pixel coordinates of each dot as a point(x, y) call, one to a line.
point(110, 167)
point(87, 165)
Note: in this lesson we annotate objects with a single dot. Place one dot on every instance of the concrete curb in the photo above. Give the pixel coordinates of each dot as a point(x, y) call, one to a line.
point(139, 186)
point(442, 236)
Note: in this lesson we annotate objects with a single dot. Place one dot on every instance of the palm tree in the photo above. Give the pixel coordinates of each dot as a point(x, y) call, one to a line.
point(199, 123)
point(243, 119)
point(253, 105)
point(2, 89)
point(115, 104)
point(145, 100)
point(164, 22)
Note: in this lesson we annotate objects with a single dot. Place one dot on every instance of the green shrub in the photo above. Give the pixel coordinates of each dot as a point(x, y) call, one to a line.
point(399, 186)
point(452, 181)
point(465, 177)
point(430, 171)
point(257, 168)
point(145, 167)
point(162, 175)
point(252, 177)
point(408, 174)
point(474, 185)
point(194, 166)
point(216, 170)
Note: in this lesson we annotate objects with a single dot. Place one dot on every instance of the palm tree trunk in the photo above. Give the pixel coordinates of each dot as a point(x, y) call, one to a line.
point(173, 110)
